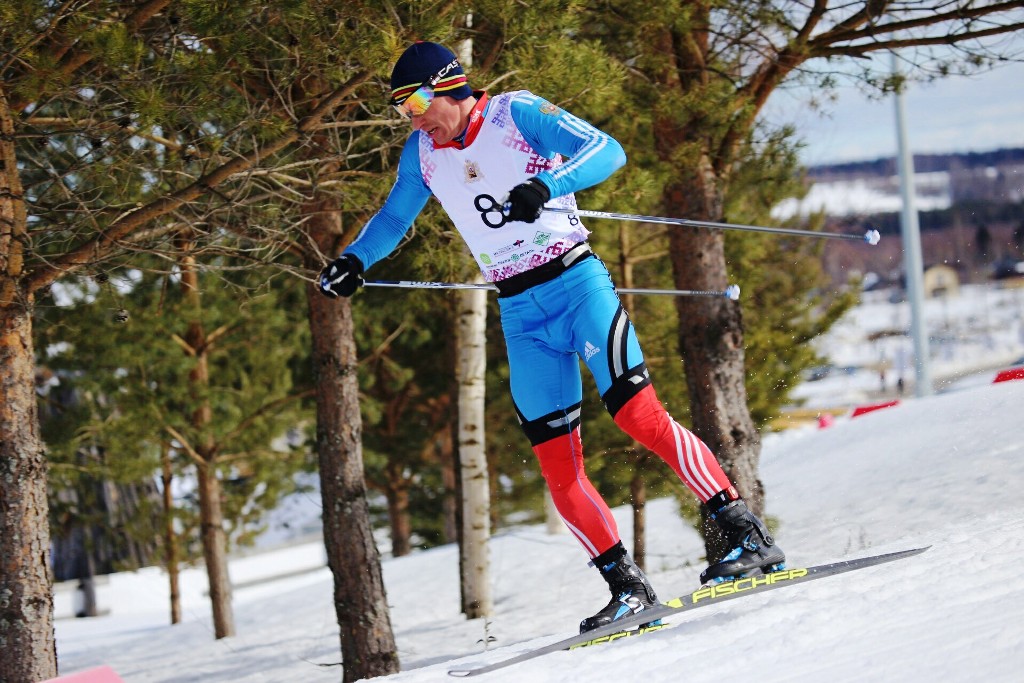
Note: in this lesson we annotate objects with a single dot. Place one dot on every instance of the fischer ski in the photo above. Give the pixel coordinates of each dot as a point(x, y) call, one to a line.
point(641, 623)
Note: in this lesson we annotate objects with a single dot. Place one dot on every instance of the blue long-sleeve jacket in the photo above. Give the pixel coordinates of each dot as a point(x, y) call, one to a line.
point(592, 154)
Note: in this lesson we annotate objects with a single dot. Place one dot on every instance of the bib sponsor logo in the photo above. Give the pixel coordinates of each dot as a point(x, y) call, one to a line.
point(509, 247)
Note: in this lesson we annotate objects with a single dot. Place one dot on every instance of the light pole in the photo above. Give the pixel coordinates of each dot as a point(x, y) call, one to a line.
point(912, 260)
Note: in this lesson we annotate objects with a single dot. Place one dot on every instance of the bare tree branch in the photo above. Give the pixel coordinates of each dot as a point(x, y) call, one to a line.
point(961, 12)
point(896, 44)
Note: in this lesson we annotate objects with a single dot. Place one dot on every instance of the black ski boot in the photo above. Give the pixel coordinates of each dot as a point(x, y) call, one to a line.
point(631, 592)
point(753, 548)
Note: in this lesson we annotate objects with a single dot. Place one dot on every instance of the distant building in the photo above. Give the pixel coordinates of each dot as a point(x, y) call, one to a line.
point(941, 280)
point(1009, 273)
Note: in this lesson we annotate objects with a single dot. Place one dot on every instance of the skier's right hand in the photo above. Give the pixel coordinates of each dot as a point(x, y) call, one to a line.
point(526, 201)
point(341, 277)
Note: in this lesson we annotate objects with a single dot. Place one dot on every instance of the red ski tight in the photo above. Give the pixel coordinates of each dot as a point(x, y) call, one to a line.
point(645, 419)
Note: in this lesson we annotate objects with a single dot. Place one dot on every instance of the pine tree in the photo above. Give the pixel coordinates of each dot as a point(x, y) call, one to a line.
point(704, 71)
point(120, 123)
point(134, 394)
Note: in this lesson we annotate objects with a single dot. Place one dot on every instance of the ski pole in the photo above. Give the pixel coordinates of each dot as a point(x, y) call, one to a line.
point(732, 292)
point(871, 236)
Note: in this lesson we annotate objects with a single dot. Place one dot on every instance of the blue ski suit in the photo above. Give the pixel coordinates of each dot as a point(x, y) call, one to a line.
point(557, 300)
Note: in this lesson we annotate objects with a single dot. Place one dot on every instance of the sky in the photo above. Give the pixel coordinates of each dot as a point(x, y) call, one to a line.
point(957, 114)
point(944, 470)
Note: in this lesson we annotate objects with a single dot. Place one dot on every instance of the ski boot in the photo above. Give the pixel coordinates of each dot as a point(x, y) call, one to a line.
point(631, 592)
point(753, 548)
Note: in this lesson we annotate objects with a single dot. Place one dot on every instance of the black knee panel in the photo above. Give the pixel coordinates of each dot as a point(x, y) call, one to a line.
point(547, 427)
point(625, 387)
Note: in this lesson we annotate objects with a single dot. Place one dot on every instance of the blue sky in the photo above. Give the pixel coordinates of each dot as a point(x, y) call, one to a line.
point(957, 114)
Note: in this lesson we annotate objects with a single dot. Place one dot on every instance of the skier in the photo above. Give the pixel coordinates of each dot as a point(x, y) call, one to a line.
point(494, 163)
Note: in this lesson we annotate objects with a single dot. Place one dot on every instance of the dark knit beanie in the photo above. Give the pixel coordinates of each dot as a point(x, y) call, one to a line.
point(423, 62)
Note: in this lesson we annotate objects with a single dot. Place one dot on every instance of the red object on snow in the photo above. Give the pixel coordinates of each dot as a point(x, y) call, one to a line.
point(1008, 374)
point(862, 410)
point(101, 674)
point(826, 420)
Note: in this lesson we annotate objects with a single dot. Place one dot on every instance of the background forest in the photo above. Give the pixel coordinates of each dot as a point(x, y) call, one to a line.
point(175, 173)
point(113, 342)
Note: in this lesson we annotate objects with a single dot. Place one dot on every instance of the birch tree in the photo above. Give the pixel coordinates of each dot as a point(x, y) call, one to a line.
point(476, 505)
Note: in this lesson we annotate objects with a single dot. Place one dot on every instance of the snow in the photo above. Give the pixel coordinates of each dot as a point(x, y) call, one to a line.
point(863, 196)
point(972, 333)
point(944, 471)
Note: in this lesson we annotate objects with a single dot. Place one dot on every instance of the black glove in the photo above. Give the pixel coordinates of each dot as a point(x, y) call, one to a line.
point(526, 200)
point(341, 277)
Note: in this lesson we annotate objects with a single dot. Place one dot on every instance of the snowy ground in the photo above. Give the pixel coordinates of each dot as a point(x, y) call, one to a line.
point(944, 471)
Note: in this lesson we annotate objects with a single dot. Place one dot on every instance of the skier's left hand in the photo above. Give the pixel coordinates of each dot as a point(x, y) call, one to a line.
point(526, 201)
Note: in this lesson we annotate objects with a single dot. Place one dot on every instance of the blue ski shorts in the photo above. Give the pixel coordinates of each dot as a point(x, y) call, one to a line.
point(550, 327)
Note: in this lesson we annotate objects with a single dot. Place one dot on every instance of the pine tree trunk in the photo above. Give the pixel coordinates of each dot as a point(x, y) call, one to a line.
point(367, 641)
point(450, 505)
point(214, 540)
point(26, 599)
point(710, 328)
point(711, 341)
point(637, 486)
point(26, 602)
point(211, 512)
point(398, 512)
point(170, 537)
point(470, 368)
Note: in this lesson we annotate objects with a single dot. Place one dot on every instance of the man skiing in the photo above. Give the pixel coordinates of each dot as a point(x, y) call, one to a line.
point(494, 163)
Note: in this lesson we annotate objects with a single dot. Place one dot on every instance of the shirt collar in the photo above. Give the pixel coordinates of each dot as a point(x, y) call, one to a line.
point(476, 120)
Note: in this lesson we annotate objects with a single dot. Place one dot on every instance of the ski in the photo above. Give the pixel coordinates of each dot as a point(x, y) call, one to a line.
point(639, 624)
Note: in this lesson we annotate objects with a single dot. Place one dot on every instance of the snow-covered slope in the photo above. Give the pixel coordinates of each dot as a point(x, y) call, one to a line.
point(944, 471)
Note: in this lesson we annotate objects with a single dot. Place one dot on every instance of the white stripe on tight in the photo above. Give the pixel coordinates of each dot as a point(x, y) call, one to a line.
point(581, 537)
point(692, 464)
point(716, 487)
point(702, 462)
point(617, 352)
